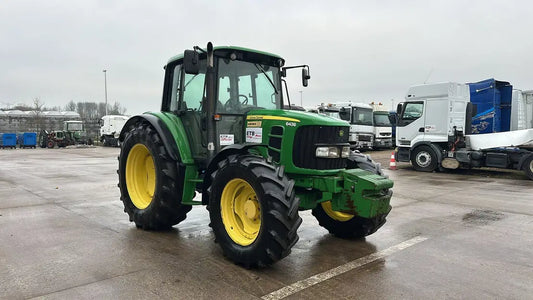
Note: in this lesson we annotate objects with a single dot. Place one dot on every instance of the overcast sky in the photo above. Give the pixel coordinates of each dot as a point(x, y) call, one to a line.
point(357, 50)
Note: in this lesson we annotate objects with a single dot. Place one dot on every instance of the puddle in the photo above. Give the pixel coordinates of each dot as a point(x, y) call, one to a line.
point(482, 217)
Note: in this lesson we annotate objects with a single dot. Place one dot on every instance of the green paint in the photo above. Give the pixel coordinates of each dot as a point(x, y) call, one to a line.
point(177, 130)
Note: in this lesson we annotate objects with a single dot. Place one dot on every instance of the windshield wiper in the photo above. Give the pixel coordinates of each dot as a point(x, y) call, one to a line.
point(264, 73)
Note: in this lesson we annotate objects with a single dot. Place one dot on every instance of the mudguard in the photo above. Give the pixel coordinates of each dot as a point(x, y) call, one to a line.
point(160, 127)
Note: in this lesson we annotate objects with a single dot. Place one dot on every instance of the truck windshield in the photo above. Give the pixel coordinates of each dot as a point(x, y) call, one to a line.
point(243, 86)
point(362, 116)
point(382, 120)
point(334, 114)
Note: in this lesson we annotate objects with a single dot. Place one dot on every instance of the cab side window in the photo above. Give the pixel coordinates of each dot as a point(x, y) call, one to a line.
point(187, 89)
point(411, 112)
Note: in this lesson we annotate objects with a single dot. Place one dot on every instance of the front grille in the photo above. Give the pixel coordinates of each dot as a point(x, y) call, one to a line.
point(305, 143)
point(385, 134)
point(365, 138)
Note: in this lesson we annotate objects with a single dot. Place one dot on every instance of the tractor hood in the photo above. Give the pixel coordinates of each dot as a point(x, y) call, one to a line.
point(299, 117)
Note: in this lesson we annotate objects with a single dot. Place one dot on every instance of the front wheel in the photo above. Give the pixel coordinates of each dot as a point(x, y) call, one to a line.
point(253, 210)
point(345, 225)
point(151, 184)
point(424, 159)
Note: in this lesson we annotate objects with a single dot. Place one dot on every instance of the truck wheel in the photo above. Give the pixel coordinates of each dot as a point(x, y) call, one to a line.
point(253, 210)
point(528, 167)
point(345, 225)
point(424, 159)
point(150, 183)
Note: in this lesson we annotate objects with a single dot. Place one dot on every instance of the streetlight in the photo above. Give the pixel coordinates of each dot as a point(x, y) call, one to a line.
point(301, 98)
point(105, 86)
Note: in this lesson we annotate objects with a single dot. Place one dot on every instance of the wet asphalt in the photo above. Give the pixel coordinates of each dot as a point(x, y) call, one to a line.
point(64, 235)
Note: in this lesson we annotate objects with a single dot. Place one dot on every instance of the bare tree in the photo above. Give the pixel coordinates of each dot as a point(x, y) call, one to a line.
point(71, 106)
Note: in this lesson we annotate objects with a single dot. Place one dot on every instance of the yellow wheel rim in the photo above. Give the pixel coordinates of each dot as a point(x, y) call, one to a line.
point(140, 176)
point(336, 215)
point(241, 212)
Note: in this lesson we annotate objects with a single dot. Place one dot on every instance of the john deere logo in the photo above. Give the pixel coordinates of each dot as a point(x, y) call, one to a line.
point(341, 132)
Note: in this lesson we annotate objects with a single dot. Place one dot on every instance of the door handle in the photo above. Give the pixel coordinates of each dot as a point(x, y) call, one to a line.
point(421, 129)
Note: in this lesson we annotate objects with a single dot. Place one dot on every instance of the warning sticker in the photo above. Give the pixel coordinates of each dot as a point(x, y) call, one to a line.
point(254, 135)
point(253, 124)
point(226, 139)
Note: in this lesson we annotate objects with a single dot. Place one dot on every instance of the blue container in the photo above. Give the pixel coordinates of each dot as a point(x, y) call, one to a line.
point(492, 101)
point(9, 140)
point(29, 139)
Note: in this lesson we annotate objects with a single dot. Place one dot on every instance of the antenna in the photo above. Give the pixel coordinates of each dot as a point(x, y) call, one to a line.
point(429, 74)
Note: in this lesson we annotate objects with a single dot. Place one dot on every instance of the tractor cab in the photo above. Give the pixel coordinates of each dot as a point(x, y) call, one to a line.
point(242, 80)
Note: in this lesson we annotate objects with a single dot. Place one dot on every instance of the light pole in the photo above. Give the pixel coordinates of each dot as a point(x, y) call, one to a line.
point(301, 98)
point(105, 87)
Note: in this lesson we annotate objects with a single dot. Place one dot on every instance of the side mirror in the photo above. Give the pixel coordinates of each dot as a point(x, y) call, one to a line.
point(191, 62)
point(399, 109)
point(344, 114)
point(305, 76)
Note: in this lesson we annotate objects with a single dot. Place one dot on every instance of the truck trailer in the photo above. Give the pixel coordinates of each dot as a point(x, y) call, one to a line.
point(434, 132)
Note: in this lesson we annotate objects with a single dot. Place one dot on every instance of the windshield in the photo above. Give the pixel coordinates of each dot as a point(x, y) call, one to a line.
point(74, 126)
point(362, 116)
point(243, 86)
point(334, 114)
point(382, 120)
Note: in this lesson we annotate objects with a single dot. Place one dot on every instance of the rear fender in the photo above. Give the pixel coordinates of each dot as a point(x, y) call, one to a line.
point(160, 127)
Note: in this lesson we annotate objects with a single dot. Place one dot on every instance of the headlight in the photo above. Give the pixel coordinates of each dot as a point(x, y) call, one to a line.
point(327, 152)
point(345, 152)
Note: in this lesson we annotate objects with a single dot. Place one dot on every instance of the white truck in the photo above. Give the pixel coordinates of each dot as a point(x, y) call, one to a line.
point(382, 130)
point(434, 132)
point(361, 120)
point(110, 127)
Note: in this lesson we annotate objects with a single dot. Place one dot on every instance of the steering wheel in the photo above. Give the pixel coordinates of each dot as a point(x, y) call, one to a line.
point(245, 99)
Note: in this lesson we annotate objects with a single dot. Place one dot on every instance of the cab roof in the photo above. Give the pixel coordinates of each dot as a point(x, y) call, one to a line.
point(180, 56)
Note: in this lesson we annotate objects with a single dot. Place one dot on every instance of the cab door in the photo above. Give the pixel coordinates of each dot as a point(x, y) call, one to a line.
point(411, 124)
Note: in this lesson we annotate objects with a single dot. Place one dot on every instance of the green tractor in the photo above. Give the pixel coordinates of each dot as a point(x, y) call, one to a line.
point(222, 132)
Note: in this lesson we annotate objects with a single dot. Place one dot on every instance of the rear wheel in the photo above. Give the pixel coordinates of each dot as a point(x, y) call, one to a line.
point(424, 159)
point(150, 182)
point(253, 210)
point(346, 225)
point(528, 167)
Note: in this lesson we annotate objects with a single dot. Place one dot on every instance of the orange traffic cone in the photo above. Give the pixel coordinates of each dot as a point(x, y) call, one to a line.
point(392, 164)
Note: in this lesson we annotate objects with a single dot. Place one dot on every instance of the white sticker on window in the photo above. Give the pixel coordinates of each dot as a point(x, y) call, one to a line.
point(254, 135)
point(226, 139)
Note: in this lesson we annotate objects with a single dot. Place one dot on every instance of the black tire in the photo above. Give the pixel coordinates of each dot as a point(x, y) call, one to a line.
point(528, 167)
point(424, 159)
point(276, 207)
point(348, 226)
point(363, 161)
point(164, 209)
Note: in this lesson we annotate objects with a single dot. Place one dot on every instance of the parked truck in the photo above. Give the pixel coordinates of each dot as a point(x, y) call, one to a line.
point(361, 119)
point(434, 131)
point(382, 130)
point(110, 127)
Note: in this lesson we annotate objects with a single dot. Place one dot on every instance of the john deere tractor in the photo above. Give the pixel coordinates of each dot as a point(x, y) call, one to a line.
point(222, 132)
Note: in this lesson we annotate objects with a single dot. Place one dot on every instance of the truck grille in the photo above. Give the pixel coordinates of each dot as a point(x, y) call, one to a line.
point(364, 138)
point(306, 140)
